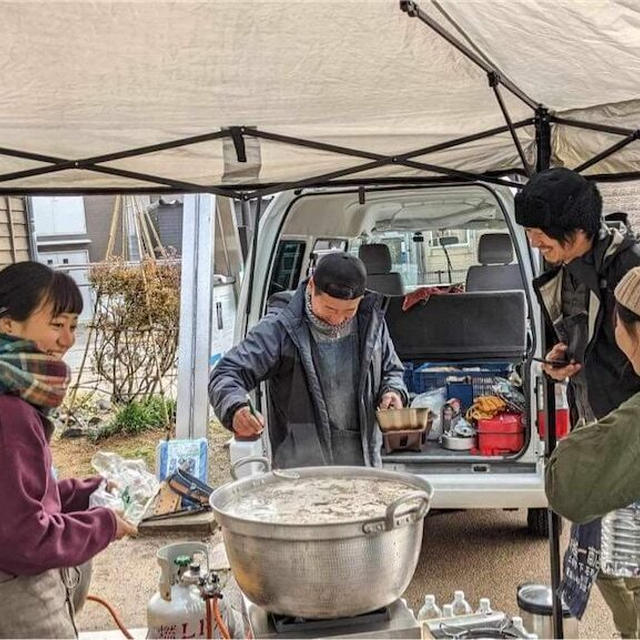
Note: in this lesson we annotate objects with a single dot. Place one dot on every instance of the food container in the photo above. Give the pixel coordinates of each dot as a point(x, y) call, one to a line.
point(419, 419)
point(324, 570)
point(457, 443)
point(409, 440)
point(536, 611)
point(501, 434)
point(450, 413)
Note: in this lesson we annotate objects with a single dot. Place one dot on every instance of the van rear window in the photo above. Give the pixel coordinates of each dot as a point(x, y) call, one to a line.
point(443, 256)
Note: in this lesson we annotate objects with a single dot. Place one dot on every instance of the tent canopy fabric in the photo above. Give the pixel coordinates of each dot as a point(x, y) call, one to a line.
point(93, 78)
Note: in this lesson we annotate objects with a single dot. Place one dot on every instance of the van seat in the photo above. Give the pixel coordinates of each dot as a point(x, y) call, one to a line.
point(460, 326)
point(495, 271)
point(380, 278)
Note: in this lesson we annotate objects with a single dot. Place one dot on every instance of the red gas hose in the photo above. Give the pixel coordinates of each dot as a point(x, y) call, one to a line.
point(224, 632)
point(208, 617)
point(114, 615)
point(211, 606)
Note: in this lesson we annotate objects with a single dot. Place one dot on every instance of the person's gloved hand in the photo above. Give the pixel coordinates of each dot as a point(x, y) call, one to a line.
point(559, 353)
point(391, 400)
point(247, 425)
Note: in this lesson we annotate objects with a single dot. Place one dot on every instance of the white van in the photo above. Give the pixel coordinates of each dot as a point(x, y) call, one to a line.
point(433, 235)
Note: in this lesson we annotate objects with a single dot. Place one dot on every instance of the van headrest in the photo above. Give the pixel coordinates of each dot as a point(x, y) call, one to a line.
point(376, 258)
point(495, 248)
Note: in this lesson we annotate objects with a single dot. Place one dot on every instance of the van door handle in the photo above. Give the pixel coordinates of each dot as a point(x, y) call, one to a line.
point(219, 315)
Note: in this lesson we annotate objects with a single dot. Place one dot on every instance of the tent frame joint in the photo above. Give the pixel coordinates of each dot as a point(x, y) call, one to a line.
point(238, 142)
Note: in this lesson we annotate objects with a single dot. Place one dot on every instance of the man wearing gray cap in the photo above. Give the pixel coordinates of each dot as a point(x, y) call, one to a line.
point(562, 214)
point(329, 361)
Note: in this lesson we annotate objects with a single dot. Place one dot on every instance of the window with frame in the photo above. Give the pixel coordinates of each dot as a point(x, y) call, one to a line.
point(287, 266)
point(59, 215)
point(457, 238)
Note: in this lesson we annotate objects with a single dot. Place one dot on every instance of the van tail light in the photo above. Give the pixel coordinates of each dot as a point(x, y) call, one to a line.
point(562, 415)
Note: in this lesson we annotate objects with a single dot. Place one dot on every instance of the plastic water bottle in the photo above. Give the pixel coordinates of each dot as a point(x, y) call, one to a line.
point(485, 606)
point(459, 605)
point(239, 448)
point(620, 548)
point(447, 611)
point(429, 609)
point(518, 624)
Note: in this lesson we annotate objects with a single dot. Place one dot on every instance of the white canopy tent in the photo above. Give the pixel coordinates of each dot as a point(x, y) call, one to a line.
point(247, 98)
point(85, 81)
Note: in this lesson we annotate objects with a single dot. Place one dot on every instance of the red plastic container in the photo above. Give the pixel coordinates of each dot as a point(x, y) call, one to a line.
point(500, 435)
point(562, 423)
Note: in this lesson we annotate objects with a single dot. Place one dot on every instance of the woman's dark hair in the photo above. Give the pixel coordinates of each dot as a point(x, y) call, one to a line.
point(26, 286)
point(626, 316)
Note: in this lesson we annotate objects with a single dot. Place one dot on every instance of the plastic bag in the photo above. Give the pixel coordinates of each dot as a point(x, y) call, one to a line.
point(433, 400)
point(512, 396)
point(462, 429)
point(133, 487)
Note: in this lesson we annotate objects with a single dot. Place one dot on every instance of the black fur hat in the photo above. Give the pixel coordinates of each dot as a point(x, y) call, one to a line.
point(559, 199)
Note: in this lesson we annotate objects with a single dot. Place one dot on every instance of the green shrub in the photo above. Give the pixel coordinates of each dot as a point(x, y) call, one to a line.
point(135, 326)
point(137, 417)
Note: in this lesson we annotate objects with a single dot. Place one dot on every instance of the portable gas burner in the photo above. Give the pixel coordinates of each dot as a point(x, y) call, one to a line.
point(395, 621)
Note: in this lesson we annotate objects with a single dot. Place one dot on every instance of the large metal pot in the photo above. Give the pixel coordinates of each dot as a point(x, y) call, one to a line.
point(324, 570)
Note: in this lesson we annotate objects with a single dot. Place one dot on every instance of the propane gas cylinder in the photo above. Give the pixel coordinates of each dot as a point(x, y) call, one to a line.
point(177, 610)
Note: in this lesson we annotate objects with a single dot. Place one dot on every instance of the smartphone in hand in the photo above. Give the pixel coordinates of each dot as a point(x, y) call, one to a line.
point(556, 364)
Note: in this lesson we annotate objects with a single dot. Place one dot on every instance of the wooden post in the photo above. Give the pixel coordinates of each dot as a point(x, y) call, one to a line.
point(154, 232)
point(114, 226)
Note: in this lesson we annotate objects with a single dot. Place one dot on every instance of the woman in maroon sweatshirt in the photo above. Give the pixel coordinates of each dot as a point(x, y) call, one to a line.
point(46, 526)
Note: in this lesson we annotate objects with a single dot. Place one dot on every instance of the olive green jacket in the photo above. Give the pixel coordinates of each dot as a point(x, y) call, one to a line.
point(596, 469)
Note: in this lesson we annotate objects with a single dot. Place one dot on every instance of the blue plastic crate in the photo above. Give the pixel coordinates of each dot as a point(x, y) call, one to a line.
point(408, 375)
point(482, 374)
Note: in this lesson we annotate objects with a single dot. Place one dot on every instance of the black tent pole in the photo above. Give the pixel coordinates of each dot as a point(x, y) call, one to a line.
point(543, 144)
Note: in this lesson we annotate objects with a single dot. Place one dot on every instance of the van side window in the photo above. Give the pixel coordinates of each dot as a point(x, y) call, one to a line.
point(287, 267)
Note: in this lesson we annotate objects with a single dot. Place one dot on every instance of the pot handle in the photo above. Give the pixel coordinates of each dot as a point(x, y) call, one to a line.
point(391, 522)
point(240, 463)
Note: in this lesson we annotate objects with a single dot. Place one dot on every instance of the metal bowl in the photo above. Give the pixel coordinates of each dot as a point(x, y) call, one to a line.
point(457, 443)
point(408, 419)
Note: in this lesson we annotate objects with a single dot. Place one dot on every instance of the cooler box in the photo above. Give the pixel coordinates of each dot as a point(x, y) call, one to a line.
point(500, 435)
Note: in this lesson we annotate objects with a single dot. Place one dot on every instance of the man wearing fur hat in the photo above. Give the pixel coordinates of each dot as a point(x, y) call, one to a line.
point(562, 214)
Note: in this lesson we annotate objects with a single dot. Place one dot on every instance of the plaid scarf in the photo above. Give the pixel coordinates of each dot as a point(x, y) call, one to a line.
point(34, 376)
